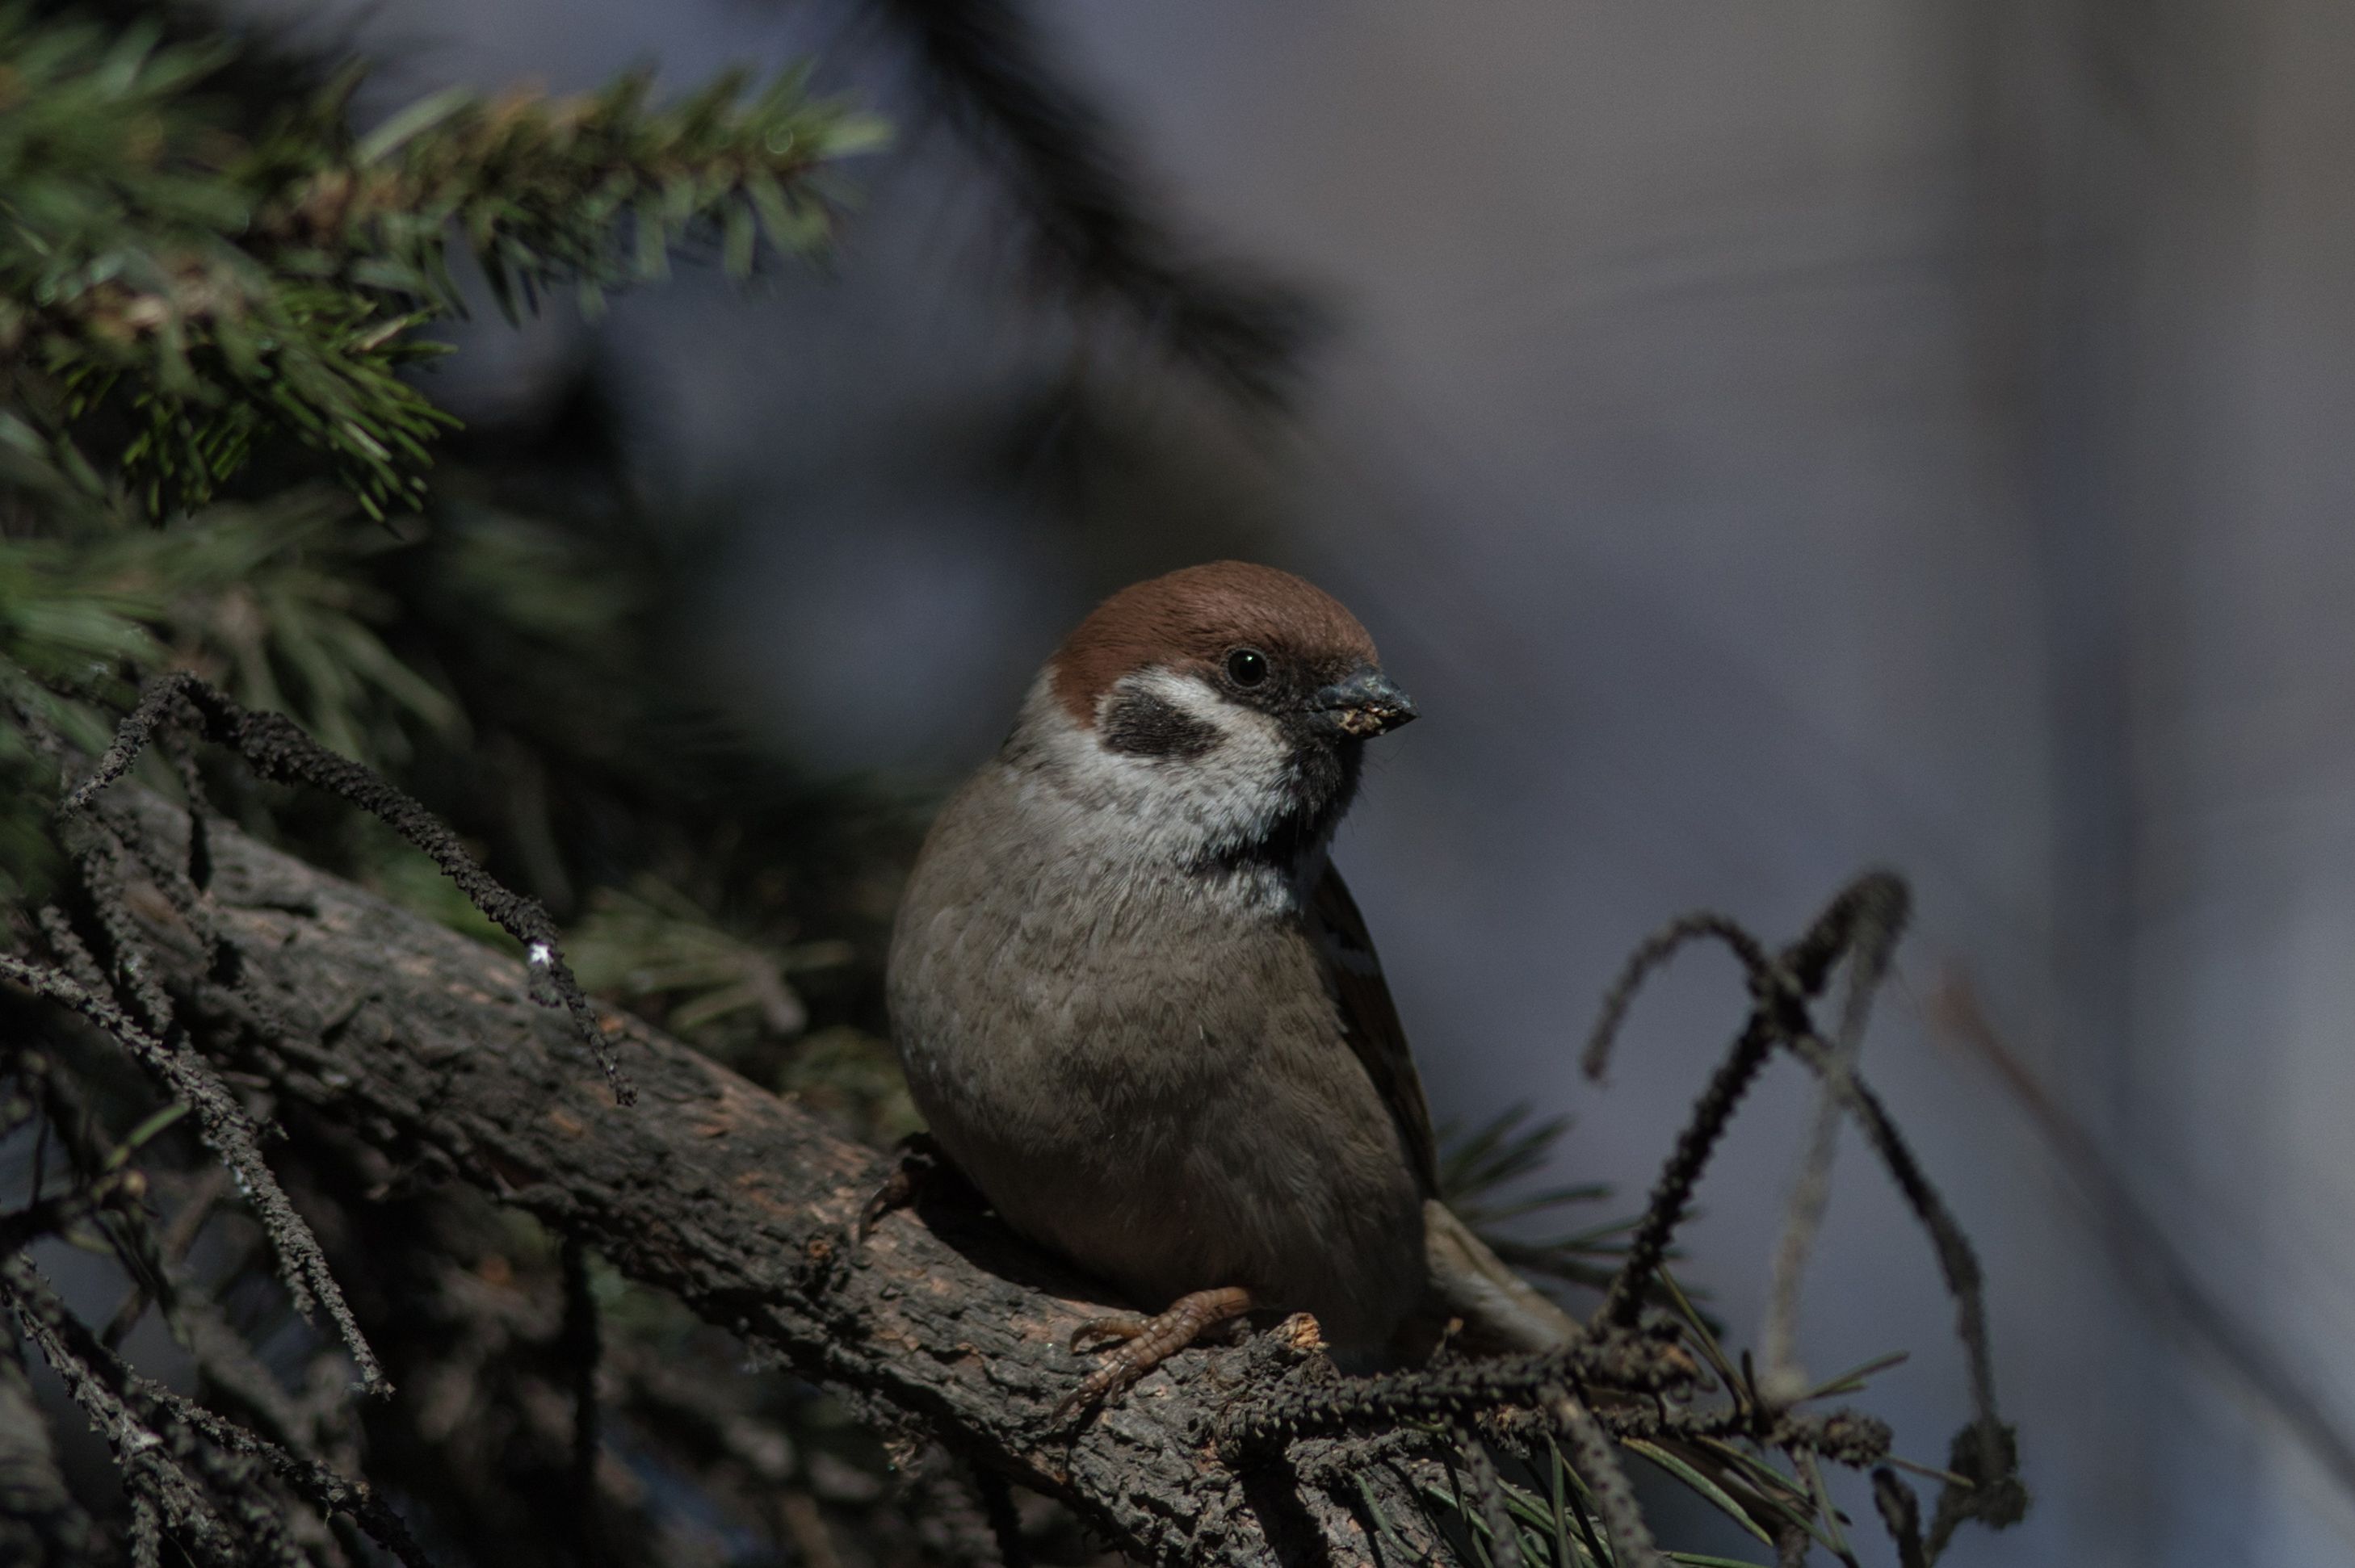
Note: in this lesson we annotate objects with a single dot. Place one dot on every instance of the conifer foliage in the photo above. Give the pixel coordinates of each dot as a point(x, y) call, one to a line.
point(249, 567)
point(177, 288)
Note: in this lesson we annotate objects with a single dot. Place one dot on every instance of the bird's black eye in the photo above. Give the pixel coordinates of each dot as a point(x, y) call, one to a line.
point(1246, 666)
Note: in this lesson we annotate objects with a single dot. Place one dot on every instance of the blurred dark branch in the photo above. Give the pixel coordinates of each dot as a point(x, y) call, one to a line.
point(229, 1130)
point(182, 1463)
point(2144, 1254)
point(585, 1355)
point(989, 71)
point(40, 1522)
point(149, 1466)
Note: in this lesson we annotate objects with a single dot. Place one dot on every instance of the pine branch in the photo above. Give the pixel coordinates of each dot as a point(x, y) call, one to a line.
point(592, 191)
point(743, 1205)
point(174, 292)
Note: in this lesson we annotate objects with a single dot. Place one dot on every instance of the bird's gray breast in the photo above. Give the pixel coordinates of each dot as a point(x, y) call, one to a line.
point(1142, 1067)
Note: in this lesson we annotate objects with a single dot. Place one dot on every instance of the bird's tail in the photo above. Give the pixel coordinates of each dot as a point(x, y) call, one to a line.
point(1499, 1311)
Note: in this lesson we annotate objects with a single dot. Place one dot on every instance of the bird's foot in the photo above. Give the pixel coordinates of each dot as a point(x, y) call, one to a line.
point(920, 1160)
point(1147, 1342)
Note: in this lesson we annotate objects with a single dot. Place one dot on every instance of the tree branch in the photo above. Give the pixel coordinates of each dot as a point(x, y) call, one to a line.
point(427, 1045)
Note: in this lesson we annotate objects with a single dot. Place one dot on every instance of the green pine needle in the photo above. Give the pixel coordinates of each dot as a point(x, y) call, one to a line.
point(176, 293)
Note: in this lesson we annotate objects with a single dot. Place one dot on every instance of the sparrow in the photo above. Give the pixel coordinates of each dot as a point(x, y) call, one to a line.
point(1139, 1010)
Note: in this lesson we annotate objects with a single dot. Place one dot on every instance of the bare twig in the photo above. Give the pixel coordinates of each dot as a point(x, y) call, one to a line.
point(275, 746)
point(1880, 911)
point(1651, 953)
point(1861, 923)
point(1672, 1193)
point(41, 1518)
point(141, 1456)
point(1957, 1259)
point(230, 1135)
point(1632, 1545)
point(1487, 1499)
point(1901, 1511)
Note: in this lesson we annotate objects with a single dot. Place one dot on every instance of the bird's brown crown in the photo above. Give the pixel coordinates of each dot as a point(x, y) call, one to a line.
point(1188, 620)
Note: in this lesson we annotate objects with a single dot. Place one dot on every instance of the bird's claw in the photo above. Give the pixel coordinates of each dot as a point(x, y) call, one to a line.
point(1147, 1342)
point(920, 1161)
point(1113, 1326)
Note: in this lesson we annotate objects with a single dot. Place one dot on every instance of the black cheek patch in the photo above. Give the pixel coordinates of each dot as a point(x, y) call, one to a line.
point(1144, 726)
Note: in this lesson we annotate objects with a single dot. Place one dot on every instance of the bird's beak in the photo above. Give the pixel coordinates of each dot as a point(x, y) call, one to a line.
point(1365, 703)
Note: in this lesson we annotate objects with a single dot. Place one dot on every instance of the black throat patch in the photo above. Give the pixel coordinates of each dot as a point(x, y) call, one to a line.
point(1322, 782)
point(1143, 724)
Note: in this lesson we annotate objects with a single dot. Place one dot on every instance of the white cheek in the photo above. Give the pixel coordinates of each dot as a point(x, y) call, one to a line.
point(1172, 809)
point(1239, 782)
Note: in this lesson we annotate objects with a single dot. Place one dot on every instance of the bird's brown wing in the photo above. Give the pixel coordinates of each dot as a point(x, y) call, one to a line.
point(1495, 1309)
point(1370, 1019)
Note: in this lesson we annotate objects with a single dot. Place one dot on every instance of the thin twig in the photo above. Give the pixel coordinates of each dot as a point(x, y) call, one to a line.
point(1632, 1545)
point(1880, 904)
point(230, 1134)
point(141, 1456)
point(1651, 953)
point(1957, 1260)
point(1635, 1364)
point(1672, 1193)
point(274, 747)
point(1488, 1497)
point(1901, 1511)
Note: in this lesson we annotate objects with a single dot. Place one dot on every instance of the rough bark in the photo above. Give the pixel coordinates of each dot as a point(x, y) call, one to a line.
point(424, 1044)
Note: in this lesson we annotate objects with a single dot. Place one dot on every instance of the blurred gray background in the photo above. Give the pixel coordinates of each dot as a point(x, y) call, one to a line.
point(1769, 441)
